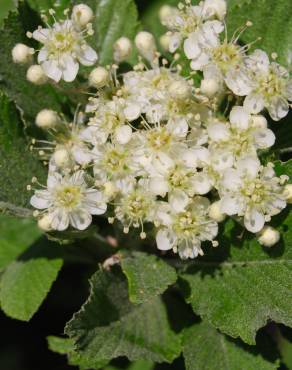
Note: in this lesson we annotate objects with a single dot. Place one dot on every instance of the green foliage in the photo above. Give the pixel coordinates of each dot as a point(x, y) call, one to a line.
point(206, 348)
point(65, 346)
point(43, 6)
point(108, 325)
point(29, 98)
point(16, 235)
point(252, 285)
point(17, 164)
point(147, 276)
point(271, 21)
point(6, 7)
point(284, 168)
point(26, 282)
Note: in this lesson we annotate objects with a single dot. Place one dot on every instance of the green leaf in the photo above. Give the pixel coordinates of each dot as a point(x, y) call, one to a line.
point(201, 340)
point(148, 276)
point(272, 22)
point(284, 168)
point(28, 97)
point(65, 346)
point(109, 326)
point(26, 282)
point(43, 6)
point(239, 293)
point(16, 235)
point(6, 7)
point(17, 164)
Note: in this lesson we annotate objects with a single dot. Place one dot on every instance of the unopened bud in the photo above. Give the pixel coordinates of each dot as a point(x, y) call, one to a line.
point(165, 13)
point(268, 236)
point(209, 87)
point(47, 118)
point(36, 75)
point(122, 49)
point(99, 77)
point(146, 45)
point(288, 193)
point(22, 54)
point(82, 14)
point(180, 89)
point(61, 157)
point(215, 212)
point(44, 223)
point(215, 8)
point(165, 42)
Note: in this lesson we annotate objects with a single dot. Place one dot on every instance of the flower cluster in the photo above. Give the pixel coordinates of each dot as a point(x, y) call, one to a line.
point(151, 147)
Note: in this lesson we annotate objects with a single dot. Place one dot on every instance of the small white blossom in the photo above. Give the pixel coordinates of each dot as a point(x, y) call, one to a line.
point(64, 47)
point(185, 231)
point(68, 201)
point(252, 192)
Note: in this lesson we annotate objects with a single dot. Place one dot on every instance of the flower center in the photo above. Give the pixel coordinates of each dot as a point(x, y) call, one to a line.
point(271, 85)
point(68, 196)
point(227, 55)
point(159, 139)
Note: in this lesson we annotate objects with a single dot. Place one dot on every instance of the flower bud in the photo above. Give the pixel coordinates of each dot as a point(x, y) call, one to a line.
point(47, 119)
point(123, 134)
point(215, 212)
point(44, 223)
point(61, 157)
point(180, 89)
point(82, 14)
point(122, 49)
point(165, 12)
point(260, 121)
point(99, 77)
point(268, 236)
point(36, 75)
point(288, 193)
point(146, 45)
point(165, 41)
point(22, 54)
point(209, 87)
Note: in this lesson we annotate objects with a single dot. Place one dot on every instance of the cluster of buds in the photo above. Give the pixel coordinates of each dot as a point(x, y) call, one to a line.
point(154, 146)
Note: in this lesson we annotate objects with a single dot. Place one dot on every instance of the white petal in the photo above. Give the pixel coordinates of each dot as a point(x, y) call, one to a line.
point(249, 166)
point(41, 200)
point(123, 134)
point(191, 47)
point(239, 118)
point(264, 138)
point(230, 205)
point(70, 69)
point(238, 82)
point(88, 57)
point(218, 131)
point(174, 42)
point(81, 155)
point(52, 70)
point(80, 219)
point(231, 180)
point(132, 112)
point(198, 63)
point(53, 180)
point(178, 200)
point(165, 240)
point(60, 219)
point(278, 108)
point(158, 186)
point(202, 184)
point(254, 103)
point(41, 35)
point(42, 55)
point(254, 221)
point(258, 60)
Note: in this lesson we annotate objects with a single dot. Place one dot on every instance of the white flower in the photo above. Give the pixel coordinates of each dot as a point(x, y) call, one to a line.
point(253, 192)
point(135, 208)
point(185, 231)
point(68, 201)
point(64, 48)
point(267, 85)
point(241, 136)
